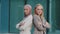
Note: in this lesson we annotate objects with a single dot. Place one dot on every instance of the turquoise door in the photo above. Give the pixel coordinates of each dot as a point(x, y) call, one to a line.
point(0, 15)
point(16, 14)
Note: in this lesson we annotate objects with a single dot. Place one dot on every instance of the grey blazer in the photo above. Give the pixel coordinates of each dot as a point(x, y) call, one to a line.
point(39, 29)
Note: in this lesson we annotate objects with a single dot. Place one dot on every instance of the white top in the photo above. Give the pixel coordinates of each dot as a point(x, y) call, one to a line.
point(27, 24)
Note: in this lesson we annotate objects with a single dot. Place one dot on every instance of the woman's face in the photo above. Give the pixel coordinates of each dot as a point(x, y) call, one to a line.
point(39, 10)
point(26, 10)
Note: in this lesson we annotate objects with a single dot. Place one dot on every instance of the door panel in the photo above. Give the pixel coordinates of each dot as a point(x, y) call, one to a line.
point(16, 13)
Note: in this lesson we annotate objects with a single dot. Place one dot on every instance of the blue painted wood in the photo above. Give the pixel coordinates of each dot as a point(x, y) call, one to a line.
point(16, 14)
point(0, 15)
point(4, 15)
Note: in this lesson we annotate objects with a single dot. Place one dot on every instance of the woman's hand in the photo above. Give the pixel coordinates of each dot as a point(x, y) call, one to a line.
point(47, 25)
point(21, 24)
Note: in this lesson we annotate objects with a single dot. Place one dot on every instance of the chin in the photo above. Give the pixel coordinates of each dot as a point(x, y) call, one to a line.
point(26, 14)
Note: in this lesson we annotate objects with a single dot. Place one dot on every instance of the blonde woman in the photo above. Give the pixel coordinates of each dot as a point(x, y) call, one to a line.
point(40, 23)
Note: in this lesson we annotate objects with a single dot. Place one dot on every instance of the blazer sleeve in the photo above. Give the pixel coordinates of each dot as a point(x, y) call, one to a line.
point(28, 22)
point(36, 21)
point(47, 25)
point(17, 26)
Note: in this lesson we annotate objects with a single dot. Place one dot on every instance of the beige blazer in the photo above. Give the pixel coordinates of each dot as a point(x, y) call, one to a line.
point(40, 28)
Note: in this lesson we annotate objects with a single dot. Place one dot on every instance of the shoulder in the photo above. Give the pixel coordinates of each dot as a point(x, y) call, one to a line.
point(36, 16)
point(30, 16)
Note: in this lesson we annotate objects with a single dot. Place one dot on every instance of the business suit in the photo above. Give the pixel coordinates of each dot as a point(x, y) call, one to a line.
point(39, 28)
point(25, 29)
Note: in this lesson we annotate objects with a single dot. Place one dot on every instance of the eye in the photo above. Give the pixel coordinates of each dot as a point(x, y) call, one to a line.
point(41, 9)
point(25, 9)
point(38, 9)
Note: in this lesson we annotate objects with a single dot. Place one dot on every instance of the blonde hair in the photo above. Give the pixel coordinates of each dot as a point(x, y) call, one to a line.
point(38, 5)
point(42, 16)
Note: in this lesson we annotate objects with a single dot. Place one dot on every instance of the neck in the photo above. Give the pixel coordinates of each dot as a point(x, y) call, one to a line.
point(26, 15)
point(39, 15)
